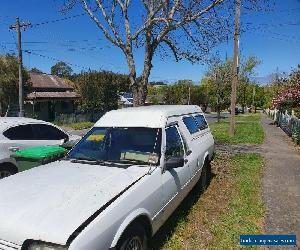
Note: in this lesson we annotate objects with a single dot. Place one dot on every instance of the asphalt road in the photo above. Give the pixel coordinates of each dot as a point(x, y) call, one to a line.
point(213, 117)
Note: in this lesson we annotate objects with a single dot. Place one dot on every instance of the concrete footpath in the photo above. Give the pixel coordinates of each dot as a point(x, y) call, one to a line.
point(281, 182)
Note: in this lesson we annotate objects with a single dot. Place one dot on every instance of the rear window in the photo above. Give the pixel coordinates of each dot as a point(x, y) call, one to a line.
point(48, 132)
point(190, 124)
point(21, 132)
point(202, 124)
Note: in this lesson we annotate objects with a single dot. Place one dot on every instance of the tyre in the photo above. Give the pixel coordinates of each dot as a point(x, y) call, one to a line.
point(205, 175)
point(134, 238)
point(7, 170)
point(209, 173)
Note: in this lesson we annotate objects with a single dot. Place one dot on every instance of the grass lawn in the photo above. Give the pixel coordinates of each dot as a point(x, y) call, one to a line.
point(231, 206)
point(248, 130)
point(76, 125)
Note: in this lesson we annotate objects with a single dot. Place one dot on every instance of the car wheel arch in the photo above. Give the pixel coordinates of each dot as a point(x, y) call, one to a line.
point(9, 165)
point(140, 216)
point(206, 158)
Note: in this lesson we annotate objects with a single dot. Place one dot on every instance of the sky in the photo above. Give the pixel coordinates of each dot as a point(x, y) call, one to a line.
point(273, 36)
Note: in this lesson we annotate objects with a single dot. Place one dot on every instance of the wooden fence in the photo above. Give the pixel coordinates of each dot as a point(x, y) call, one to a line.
point(78, 117)
point(288, 123)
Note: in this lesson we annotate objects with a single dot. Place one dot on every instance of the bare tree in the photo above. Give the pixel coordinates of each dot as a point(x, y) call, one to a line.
point(188, 29)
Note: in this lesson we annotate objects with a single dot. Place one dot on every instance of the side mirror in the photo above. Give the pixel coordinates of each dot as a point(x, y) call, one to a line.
point(174, 162)
point(188, 152)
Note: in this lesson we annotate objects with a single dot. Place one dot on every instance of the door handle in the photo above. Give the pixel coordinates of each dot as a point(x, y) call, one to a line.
point(13, 149)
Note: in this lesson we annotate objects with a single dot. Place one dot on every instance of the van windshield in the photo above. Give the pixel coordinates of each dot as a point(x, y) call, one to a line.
point(124, 145)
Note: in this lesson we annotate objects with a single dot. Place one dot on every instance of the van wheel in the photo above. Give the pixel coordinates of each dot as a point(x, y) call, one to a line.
point(209, 173)
point(134, 238)
point(205, 175)
point(7, 170)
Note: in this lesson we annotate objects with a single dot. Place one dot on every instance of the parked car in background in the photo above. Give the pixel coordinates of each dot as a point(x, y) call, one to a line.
point(236, 111)
point(116, 187)
point(18, 133)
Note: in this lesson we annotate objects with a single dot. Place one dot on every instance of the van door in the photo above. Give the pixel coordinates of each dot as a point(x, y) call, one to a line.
point(174, 181)
point(196, 145)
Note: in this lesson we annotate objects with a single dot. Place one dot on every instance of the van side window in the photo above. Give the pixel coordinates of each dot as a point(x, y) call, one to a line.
point(190, 124)
point(174, 147)
point(202, 124)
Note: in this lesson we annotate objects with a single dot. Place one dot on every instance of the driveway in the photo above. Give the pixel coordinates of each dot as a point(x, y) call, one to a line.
point(281, 182)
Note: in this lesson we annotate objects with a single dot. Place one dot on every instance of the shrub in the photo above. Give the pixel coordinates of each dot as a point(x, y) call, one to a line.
point(297, 112)
point(296, 136)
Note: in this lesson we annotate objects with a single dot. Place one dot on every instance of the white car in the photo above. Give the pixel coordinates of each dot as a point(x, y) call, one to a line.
point(18, 133)
point(117, 186)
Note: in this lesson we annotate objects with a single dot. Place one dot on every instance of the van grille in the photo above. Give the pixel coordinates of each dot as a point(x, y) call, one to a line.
point(5, 245)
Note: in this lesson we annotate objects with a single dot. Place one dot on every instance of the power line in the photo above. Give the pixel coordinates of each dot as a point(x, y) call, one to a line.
point(260, 25)
point(57, 20)
point(271, 11)
point(55, 59)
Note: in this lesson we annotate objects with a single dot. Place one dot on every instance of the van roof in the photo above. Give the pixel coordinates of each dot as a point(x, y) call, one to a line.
point(146, 116)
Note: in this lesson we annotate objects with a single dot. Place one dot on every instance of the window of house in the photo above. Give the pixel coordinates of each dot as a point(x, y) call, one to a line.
point(202, 124)
point(174, 146)
point(190, 124)
point(21, 132)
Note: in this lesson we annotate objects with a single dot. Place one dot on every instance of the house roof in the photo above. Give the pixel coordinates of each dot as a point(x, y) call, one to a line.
point(52, 95)
point(44, 81)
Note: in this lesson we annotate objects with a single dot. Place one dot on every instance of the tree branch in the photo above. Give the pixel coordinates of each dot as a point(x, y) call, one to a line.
point(98, 23)
point(109, 21)
point(172, 46)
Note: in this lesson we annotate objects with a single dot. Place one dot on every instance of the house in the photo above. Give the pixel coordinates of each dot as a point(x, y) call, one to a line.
point(50, 96)
point(125, 100)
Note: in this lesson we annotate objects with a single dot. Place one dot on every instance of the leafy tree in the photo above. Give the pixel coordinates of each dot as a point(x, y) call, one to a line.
point(177, 93)
point(61, 69)
point(9, 81)
point(36, 70)
point(206, 87)
point(284, 89)
point(220, 77)
point(245, 86)
point(294, 77)
point(217, 84)
point(98, 90)
point(156, 94)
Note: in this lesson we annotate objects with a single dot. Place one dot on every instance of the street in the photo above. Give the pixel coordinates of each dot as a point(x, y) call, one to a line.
point(213, 117)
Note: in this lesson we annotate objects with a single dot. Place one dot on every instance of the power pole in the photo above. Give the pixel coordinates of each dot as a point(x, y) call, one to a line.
point(253, 98)
point(18, 27)
point(189, 98)
point(235, 68)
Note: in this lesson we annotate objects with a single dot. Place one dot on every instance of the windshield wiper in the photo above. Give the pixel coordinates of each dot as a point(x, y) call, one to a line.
point(87, 160)
point(129, 161)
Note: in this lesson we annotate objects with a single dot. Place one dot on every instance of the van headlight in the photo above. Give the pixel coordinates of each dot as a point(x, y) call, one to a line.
point(45, 246)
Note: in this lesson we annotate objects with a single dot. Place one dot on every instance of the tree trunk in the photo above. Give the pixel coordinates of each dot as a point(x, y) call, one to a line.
point(219, 113)
point(139, 92)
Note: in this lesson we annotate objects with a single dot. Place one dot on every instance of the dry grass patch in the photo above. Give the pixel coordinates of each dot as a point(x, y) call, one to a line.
point(214, 219)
